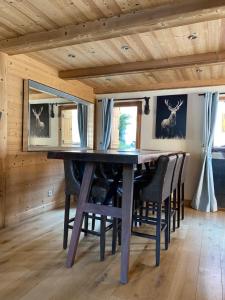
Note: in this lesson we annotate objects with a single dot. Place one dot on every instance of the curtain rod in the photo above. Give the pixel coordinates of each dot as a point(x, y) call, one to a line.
point(128, 99)
point(204, 94)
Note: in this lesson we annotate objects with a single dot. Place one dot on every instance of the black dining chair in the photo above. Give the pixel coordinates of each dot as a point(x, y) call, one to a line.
point(100, 193)
point(181, 184)
point(175, 189)
point(158, 192)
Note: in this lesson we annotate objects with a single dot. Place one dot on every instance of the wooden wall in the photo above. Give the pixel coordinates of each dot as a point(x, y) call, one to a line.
point(29, 176)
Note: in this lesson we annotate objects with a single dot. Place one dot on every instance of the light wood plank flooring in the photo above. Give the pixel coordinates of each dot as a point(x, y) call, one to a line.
point(32, 263)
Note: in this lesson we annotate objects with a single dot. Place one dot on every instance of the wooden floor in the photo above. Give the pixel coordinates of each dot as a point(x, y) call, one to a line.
point(32, 263)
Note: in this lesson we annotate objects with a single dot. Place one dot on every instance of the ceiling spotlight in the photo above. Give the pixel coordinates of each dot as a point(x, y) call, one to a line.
point(125, 47)
point(70, 55)
point(193, 36)
point(198, 70)
point(92, 51)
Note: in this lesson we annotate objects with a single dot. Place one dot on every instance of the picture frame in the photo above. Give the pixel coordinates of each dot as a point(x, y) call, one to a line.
point(39, 120)
point(171, 115)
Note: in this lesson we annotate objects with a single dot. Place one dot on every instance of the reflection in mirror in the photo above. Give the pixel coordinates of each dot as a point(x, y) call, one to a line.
point(55, 119)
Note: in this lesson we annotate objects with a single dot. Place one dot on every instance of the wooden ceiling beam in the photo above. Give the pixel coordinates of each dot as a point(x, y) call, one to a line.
point(161, 86)
point(195, 60)
point(166, 16)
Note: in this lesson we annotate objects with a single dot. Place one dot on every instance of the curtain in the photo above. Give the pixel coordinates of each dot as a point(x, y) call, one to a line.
point(204, 198)
point(82, 112)
point(107, 110)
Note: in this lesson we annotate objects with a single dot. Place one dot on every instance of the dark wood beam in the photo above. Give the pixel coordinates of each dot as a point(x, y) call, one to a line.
point(196, 60)
point(166, 16)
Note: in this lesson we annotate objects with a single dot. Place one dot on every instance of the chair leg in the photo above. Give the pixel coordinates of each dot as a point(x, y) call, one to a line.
point(93, 222)
point(178, 206)
point(114, 235)
point(182, 197)
point(102, 238)
point(153, 208)
point(158, 234)
point(141, 215)
point(86, 217)
point(66, 221)
point(167, 219)
point(119, 232)
point(174, 209)
point(147, 209)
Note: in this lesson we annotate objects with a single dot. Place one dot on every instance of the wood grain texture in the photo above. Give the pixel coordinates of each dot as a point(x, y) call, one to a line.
point(3, 134)
point(28, 16)
point(32, 263)
point(44, 74)
point(109, 156)
point(30, 175)
point(149, 19)
point(174, 63)
point(160, 80)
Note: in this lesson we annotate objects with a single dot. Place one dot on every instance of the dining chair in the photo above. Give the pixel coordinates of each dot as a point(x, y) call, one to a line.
point(175, 189)
point(181, 185)
point(158, 191)
point(101, 189)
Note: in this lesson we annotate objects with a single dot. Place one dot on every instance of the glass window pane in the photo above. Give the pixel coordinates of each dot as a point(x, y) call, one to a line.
point(75, 130)
point(124, 129)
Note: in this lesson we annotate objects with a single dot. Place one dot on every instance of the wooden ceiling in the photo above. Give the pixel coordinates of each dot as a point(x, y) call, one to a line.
point(178, 44)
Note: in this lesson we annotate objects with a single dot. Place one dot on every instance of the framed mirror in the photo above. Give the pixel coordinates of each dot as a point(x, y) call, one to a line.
point(54, 119)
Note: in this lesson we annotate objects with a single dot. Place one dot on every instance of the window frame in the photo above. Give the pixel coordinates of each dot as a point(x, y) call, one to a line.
point(61, 109)
point(137, 104)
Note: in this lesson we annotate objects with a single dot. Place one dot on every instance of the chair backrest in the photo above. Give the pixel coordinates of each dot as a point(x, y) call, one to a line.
point(166, 191)
point(183, 173)
point(177, 171)
point(72, 183)
point(159, 188)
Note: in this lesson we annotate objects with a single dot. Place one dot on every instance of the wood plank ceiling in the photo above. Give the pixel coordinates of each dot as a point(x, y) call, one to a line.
point(22, 17)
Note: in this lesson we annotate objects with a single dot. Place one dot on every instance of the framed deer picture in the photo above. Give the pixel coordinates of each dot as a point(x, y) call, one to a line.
point(39, 120)
point(171, 117)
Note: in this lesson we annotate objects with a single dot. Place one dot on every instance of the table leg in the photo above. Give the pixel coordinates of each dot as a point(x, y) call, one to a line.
point(127, 203)
point(83, 198)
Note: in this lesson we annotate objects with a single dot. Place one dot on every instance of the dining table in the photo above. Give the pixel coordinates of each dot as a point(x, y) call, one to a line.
point(128, 159)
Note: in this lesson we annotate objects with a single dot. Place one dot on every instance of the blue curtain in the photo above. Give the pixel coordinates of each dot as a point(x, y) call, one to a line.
point(107, 110)
point(82, 112)
point(204, 198)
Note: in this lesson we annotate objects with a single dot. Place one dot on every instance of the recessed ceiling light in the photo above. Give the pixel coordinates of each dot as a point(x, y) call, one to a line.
point(71, 55)
point(92, 51)
point(193, 36)
point(198, 70)
point(125, 47)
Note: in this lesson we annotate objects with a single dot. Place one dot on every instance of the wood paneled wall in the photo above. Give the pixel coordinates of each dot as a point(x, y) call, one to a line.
point(3, 134)
point(29, 175)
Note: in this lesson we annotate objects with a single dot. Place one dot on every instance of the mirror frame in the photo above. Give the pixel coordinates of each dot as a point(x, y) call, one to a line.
point(27, 83)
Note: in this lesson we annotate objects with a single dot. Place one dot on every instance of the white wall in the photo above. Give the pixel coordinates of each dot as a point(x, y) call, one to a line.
point(192, 143)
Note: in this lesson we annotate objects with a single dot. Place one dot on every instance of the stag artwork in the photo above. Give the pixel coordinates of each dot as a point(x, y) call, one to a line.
point(171, 116)
point(39, 124)
point(39, 120)
point(170, 122)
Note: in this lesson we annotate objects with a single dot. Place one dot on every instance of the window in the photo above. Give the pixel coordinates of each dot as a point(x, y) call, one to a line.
point(69, 132)
point(126, 125)
point(219, 138)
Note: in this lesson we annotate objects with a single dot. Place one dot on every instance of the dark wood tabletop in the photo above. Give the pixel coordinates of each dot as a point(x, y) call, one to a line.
point(110, 156)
